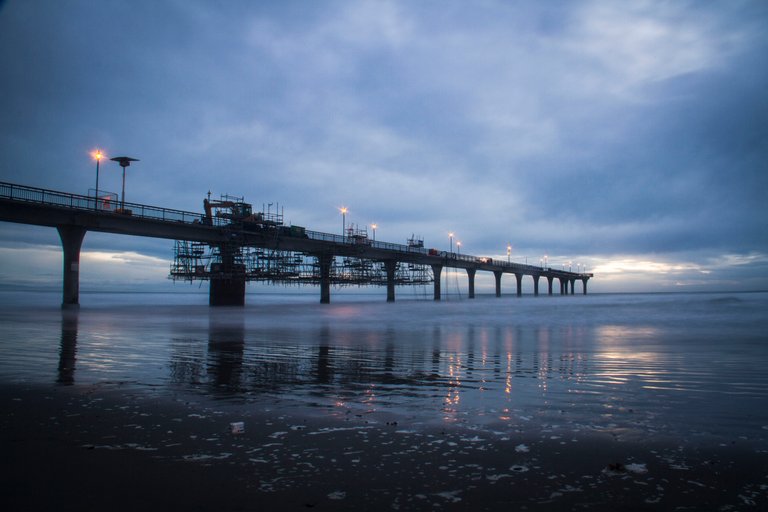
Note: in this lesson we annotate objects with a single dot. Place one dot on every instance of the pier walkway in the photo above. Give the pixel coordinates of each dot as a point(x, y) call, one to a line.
point(74, 215)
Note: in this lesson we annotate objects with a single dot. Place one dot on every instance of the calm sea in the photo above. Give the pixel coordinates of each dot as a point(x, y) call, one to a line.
point(667, 365)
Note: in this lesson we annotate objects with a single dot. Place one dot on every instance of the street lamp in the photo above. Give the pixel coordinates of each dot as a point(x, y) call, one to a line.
point(124, 162)
point(545, 261)
point(97, 155)
point(509, 252)
point(458, 247)
point(450, 237)
point(374, 226)
point(343, 211)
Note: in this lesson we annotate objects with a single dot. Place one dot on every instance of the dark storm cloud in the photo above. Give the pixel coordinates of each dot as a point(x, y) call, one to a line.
point(585, 130)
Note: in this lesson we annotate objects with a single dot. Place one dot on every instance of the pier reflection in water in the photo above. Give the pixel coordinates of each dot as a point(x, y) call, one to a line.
point(485, 362)
point(325, 364)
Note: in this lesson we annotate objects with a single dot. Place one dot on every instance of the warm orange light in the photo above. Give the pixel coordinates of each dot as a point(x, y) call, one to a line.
point(374, 226)
point(97, 154)
point(343, 209)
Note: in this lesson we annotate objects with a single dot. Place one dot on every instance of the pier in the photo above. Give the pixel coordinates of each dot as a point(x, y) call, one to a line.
point(229, 245)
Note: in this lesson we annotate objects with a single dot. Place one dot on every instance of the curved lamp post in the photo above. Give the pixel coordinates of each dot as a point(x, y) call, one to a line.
point(124, 162)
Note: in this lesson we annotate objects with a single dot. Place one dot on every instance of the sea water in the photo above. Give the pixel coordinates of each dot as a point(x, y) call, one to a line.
point(665, 365)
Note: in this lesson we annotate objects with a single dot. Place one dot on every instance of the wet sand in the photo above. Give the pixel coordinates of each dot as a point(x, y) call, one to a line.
point(116, 448)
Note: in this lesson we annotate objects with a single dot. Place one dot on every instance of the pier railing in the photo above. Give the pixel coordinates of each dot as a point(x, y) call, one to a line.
point(108, 204)
point(93, 203)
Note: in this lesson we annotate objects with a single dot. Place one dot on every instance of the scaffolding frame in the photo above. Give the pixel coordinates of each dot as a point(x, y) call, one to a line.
point(196, 261)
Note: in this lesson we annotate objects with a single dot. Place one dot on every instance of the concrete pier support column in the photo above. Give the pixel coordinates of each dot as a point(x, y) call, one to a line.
point(325, 261)
point(226, 292)
point(71, 241)
point(584, 283)
point(563, 289)
point(436, 271)
point(471, 276)
point(519, 279)
point(549, 284)
point(227, 287)
point(390, 266)
point(497, 275)
point(536, 284)
point(573, 284)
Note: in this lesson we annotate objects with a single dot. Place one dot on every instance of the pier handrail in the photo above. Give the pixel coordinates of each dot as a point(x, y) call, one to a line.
point(91, 203)
point(37, 195)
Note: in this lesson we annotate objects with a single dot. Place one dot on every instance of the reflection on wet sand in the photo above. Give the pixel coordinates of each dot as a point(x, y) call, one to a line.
point(325, 361)
point(337, 363)
point(226, 344)
point(68, 347)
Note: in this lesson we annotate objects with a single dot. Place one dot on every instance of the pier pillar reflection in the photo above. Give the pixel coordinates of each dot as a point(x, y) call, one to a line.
point(68, 347)
point(471, 278)
point(226, 344)
point(71, 241)
point(323, 373)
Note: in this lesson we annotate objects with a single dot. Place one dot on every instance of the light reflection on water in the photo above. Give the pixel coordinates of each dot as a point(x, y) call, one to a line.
point(626, 362)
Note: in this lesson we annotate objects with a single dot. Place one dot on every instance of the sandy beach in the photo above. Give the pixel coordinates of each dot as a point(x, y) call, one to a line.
point(118, 448)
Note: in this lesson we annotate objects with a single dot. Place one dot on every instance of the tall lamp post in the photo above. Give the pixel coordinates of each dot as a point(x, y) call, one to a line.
point(343, 210)
point(97, 155)
point(450, 238)
point(124, 162)
point(458, 248)
point(374, 226)
point(509, 252)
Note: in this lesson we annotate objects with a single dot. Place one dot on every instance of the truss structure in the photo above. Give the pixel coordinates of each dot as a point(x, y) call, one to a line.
point(195, 261)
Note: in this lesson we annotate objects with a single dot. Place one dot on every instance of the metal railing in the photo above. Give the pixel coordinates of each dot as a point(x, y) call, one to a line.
point(92, 203)
point(104, 205)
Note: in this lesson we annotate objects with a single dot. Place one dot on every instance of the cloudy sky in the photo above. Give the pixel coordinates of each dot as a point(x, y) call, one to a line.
point(627, 137)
